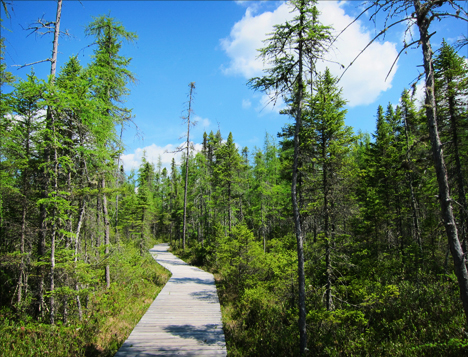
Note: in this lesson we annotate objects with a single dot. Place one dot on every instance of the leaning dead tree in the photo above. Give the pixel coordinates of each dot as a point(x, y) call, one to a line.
point(420, 15)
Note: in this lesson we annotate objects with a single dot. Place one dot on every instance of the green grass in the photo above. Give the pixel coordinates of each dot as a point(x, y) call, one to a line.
point(111, 315)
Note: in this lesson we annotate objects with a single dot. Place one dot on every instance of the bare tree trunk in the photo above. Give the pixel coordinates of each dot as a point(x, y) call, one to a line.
point(229, 206)
point(106, 230)
point(409, 176)
point(22, 268)
point(23, 218)
point(45, 193)
point(142, 234)
point(296, 213)
point(53, 67)
point(423, 23)
point(77, 237)
point(98, 216)
point(263, 227)
point(53, 61)
point(120, 175)
point(52, 276)
point(192, 86)
point(42, 244)
point(54, 235)
point(326, 216)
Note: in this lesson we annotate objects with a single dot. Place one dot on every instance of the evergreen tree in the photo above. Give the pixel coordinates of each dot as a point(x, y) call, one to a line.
point(451, 85)
point(409, 154)
point(226, 175)
point(144, 209)
point(331, 144)
point(291, 47)
point(109, 79)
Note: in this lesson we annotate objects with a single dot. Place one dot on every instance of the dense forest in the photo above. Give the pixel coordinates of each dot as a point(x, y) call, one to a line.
point(354, 235)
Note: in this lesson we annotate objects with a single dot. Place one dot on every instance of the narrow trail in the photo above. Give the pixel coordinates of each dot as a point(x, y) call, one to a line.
point(184, 319)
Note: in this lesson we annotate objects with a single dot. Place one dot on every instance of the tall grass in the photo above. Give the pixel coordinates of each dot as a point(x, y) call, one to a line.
point(107, 321)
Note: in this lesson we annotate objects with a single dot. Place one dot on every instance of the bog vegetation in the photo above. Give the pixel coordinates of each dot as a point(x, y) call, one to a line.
point(342, 231)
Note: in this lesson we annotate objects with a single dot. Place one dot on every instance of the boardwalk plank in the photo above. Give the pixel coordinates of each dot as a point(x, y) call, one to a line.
point(184, 319)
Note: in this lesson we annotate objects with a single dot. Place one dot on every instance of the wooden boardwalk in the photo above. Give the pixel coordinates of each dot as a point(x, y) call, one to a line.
point(184, 319)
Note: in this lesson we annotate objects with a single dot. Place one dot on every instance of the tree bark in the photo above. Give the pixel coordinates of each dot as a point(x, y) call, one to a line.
point(106, 231)
point(296, 213)
point(25, 190)
point(409, 177)
point(326, 217)
point(142, 233)
point(54, 235)
point(23, 232)
point(192, 86)
point(77, 237)
point(229, 206)
point(53, 61)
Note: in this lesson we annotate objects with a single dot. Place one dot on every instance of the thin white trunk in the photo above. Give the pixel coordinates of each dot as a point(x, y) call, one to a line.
point(106, 231)
point(192, 86)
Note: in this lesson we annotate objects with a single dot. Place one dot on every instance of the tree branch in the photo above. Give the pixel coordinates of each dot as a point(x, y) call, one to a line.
point(30, 64)
point(370, 43)
point(398, 56)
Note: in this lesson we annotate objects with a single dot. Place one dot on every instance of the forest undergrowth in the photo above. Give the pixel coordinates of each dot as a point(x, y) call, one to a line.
point(387, 311)
point(107, 321)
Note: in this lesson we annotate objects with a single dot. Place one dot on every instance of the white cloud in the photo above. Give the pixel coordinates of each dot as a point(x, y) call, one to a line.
point(203, 125)
point(242, 2)
point(420, 94)
point(247, 36)
point(37, 117)
point(364, 80)
point(246, 103)
point(153, 152)
point(202, 122)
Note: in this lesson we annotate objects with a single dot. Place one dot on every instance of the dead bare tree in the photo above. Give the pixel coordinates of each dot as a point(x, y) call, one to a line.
point(186, 147)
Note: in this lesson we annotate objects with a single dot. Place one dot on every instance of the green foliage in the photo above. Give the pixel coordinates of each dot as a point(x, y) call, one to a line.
point(377, 274)
point(107, 322)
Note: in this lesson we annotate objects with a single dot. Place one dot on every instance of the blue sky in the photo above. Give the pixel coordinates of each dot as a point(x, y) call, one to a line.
point(213, 43)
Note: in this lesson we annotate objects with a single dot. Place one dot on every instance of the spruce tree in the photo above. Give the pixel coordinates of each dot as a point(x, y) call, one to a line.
point(451, 85)
point(226, 173)
point(331, 141)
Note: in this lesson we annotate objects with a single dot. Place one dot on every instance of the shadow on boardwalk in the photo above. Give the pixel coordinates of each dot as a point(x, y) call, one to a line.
point(192, 281)
point(207, 334)
point(184, 319)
